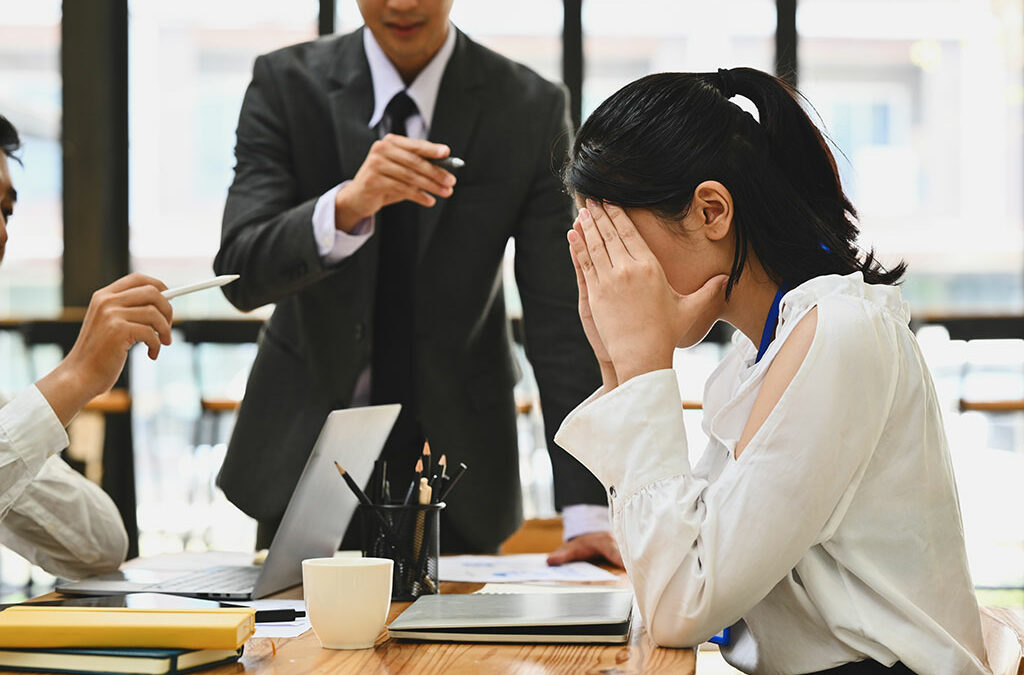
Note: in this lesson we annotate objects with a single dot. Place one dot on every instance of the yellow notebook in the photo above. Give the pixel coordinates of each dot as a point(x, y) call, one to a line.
point(227, 628)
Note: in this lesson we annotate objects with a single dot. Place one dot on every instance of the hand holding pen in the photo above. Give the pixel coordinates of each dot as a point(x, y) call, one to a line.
point(396, 169)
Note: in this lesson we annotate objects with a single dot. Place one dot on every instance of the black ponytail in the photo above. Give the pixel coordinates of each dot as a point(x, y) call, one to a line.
point(655, 140)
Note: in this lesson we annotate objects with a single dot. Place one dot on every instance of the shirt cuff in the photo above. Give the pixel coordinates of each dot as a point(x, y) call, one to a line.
point(579, 519)
point(31, 427)
point(332, 244)
point(632, 436)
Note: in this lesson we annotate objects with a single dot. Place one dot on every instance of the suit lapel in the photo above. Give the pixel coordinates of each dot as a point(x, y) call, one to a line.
point(455, 119)
point(351, 103)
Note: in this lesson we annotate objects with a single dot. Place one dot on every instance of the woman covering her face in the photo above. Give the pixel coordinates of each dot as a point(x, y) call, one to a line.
point(821, 523)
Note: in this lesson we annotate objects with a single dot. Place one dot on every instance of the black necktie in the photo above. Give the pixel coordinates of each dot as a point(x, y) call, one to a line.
point(393, 367)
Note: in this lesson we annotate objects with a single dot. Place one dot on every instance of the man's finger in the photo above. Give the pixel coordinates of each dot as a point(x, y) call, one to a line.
point(419, 146)
point(396, 191)
point(413, 179)
point(418, 164)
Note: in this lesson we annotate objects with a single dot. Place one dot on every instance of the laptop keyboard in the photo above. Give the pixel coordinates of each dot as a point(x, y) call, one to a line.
point(212, 580)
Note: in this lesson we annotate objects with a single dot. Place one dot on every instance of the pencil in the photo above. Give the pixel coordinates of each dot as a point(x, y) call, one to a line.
point(360, 495)
point(385, 526)
point(426, 458)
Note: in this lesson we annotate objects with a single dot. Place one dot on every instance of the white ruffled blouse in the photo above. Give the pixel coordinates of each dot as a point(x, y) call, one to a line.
point(835, 537)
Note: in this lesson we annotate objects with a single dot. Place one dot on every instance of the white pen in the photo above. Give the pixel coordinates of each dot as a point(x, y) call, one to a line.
point(202, 285)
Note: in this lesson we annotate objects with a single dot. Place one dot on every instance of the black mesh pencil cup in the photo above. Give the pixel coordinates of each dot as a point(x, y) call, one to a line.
point(411, 536)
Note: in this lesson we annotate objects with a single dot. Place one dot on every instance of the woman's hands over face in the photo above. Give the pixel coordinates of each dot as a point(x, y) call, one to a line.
point(630, 313)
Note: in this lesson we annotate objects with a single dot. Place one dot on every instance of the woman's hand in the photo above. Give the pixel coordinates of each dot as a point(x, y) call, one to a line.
point(587, 319)
point(637, 315)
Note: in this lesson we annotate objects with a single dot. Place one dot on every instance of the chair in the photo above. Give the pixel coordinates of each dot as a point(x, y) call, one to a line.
point(1003, 632)
point(216, 414)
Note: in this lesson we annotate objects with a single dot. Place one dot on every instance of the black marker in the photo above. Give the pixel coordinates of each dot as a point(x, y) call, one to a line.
point(449, 163)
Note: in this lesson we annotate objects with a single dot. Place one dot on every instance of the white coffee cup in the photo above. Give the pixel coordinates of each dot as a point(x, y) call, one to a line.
point(347, 599)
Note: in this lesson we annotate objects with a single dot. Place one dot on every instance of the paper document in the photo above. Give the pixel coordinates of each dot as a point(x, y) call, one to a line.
point(516, 568)
point(507, 589)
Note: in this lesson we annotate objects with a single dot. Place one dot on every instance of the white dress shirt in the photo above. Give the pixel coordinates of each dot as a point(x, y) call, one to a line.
point(334, 245)
point(835, 537)
point(49, 513)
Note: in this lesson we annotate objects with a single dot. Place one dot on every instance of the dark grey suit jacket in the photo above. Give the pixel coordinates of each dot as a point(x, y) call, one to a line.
point(302, 130)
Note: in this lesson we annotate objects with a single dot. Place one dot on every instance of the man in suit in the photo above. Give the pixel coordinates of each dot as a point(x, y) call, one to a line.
point(386, 269)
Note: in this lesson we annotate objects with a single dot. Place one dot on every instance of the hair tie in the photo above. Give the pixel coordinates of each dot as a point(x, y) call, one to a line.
point(725, 83)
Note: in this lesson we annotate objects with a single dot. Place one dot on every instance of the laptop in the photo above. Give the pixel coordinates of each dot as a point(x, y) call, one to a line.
point(312, 527)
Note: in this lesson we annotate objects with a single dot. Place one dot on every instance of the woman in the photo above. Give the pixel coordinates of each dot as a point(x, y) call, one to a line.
point(821, 522)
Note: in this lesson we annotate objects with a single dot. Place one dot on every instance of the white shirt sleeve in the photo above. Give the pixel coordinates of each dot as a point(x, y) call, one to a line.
point(700, 554)
point(49, 513)
point(580, 519)
point(332, 244)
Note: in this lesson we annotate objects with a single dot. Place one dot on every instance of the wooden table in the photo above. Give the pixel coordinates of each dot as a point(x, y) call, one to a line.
point(304, 654)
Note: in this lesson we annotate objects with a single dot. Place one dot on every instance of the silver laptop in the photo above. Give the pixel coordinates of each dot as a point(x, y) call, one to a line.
point(312, 527)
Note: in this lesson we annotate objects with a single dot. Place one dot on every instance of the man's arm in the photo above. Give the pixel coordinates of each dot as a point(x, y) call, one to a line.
point(267, 234)
point(280, 242)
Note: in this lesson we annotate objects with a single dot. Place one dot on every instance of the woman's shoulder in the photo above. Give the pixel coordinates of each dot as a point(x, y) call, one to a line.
point(845, 299)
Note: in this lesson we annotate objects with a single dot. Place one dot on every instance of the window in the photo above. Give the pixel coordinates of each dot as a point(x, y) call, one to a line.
point(666, 35)
point(925, 107)
point(189, 65)
point(30, 278)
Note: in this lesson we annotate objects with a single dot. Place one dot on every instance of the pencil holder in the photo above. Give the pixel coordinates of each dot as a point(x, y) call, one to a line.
point(411, 536)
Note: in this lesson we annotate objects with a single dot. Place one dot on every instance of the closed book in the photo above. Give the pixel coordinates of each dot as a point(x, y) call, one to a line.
point(133, 661)
point(25, 626)
point(585, 617)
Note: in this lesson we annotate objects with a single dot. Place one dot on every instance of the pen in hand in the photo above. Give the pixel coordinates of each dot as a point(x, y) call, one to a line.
point(448, 163)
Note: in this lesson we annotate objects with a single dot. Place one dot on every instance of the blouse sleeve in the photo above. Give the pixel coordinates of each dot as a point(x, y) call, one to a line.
point(700, 554)
point(49, 513)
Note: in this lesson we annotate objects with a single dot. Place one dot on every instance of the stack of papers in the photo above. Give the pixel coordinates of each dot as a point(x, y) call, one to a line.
point(516, 569)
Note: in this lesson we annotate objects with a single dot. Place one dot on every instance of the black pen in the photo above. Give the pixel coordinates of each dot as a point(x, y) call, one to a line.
point(448, 163)
point(456, 475)
point(414, 484)
point(278, 615)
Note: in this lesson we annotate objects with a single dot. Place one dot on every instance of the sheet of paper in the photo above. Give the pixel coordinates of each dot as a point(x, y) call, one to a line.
point(285, 629)
point(504, 589)
point(516, 568)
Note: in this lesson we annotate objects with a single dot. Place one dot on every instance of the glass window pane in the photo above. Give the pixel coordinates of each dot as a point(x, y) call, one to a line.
point(31, 99)
point(925, 106)
point(668, 35)
point(189, 64)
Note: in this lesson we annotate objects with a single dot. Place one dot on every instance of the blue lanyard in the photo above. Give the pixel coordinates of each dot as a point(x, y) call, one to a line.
point(769, 325)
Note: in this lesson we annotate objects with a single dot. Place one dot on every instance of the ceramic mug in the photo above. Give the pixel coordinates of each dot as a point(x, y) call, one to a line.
point(347, 599)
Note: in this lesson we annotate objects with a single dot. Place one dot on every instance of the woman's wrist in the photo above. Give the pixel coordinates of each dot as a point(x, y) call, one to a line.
point(627, 369)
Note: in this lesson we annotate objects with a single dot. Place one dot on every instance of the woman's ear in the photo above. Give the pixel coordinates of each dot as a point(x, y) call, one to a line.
point(712, 204)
